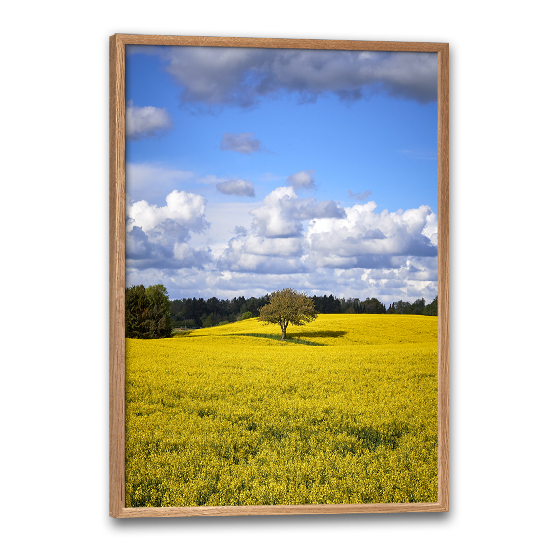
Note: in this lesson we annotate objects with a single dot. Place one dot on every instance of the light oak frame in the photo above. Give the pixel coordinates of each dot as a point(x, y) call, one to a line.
point(117, 60)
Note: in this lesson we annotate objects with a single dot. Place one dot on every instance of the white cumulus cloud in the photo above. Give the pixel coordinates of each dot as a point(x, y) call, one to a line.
point(275, 243)
point(365, 238)
point(240, 188)
point(245, 143)
point(283, 212)
point(180, 206)
point(146, 122)
point(157, 237)
point(302, 180)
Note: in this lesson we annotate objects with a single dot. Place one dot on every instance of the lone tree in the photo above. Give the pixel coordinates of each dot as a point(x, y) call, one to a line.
point(286, 307)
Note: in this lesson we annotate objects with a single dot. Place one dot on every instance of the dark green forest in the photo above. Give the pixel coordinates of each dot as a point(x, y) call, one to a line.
point(151, 314)
point(198, 312)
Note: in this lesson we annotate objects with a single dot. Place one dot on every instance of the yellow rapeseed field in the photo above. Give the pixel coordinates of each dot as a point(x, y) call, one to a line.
point(217, 418)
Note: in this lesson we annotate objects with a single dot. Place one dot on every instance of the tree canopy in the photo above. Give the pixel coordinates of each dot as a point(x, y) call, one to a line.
point(148, 312)
point(287, 306)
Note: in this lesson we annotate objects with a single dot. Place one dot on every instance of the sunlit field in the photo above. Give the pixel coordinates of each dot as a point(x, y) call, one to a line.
point(214, 417)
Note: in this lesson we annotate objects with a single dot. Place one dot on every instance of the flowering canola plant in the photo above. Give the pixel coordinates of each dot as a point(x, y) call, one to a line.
point(218, 418)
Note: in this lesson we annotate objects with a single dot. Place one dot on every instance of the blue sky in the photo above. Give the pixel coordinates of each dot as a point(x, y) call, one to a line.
point(250, 170)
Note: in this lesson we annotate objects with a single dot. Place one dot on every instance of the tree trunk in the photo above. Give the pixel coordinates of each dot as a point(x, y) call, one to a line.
point(283, 337)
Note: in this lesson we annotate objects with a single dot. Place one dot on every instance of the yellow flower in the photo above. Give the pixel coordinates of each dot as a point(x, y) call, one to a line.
point(221, 418)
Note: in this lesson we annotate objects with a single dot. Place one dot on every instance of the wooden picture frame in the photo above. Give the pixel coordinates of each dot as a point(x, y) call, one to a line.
point(117, 507)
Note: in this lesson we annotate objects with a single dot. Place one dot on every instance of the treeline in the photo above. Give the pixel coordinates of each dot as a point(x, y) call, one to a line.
point(419, 307)
point(151, 314)
point(198, 312)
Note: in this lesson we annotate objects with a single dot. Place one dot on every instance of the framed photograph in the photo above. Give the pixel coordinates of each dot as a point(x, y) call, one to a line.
point(279, 280)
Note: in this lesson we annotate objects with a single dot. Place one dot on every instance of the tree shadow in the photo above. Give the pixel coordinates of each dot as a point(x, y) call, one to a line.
point(317, 334)
point(291, 333)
